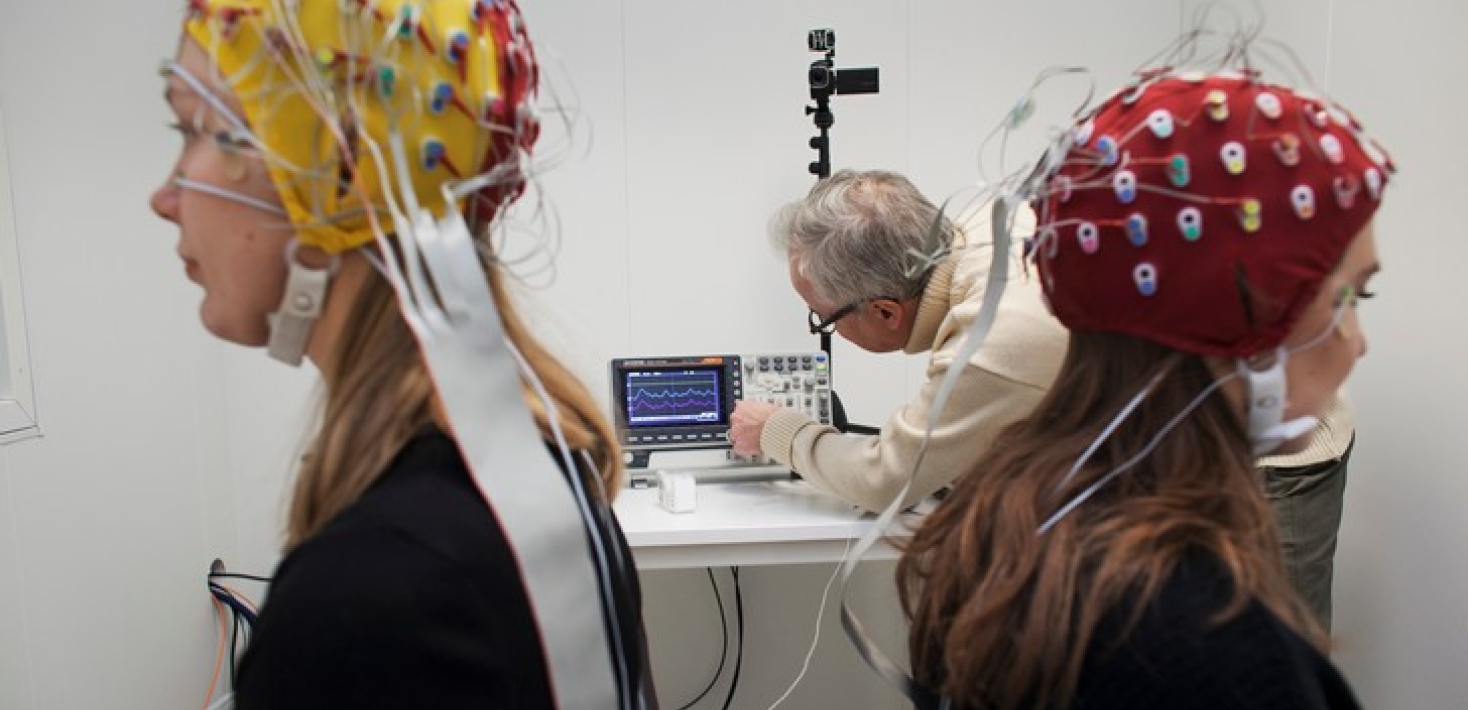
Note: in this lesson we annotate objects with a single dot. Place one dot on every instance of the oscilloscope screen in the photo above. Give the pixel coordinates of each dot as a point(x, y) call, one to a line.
point(673, 397)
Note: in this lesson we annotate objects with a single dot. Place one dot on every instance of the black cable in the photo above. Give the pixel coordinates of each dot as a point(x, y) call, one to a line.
point(234, 649)
point(739, 624)
point(723, 642)
point(232, 602)
point(231, 575)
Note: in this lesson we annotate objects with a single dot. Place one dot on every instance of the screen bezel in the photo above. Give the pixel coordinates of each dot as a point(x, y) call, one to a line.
point(682, 435)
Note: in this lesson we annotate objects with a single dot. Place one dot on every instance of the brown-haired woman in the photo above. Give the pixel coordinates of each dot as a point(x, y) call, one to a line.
point(1206, 240)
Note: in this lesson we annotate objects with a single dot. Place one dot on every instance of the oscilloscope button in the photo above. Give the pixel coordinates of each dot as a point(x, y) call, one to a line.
point(779, 366)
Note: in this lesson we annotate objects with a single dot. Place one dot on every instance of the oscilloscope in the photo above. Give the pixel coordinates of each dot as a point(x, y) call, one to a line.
point(684, 402)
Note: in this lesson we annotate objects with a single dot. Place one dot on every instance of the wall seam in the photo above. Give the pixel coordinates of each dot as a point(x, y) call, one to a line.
point(7, 472)
point(626, 175)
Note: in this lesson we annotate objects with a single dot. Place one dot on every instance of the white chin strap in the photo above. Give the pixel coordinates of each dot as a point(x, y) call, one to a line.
point(300, 306)
point(1266, 392)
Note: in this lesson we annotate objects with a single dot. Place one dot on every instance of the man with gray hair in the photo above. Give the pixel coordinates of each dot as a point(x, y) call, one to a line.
point(866, 258)
point(876, 263)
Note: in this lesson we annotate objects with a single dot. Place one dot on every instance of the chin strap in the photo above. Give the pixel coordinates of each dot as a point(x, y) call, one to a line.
point(305, 292)
point(1266, 405)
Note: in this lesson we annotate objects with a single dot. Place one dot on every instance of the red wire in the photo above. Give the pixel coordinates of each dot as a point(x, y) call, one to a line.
point(238, 597)
point(219, 658)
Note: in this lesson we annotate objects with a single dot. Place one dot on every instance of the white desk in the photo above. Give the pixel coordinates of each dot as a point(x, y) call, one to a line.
point(785, 522)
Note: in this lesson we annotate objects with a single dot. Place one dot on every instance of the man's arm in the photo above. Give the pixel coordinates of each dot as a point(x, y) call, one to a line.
point(868, 471)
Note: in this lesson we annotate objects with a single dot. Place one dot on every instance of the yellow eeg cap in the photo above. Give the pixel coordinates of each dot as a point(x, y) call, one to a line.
point(320, 79)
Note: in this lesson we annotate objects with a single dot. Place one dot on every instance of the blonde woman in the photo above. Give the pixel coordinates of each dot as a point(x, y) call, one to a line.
point(328, 148)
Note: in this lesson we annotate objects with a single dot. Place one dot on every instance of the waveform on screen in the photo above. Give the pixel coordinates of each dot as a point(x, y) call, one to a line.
point(670, 402)
point(682, 399)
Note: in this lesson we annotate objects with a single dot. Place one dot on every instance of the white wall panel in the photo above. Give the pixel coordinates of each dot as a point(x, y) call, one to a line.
point(108, 508)
point(15, 667)
point(586, 313)
point(1401, 585)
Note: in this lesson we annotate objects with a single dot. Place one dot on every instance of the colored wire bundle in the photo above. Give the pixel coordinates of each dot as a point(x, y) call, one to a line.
point(237, 615)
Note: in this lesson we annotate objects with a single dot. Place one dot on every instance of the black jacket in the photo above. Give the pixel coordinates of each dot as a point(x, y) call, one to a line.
point(1177, 658)
point(410, 598)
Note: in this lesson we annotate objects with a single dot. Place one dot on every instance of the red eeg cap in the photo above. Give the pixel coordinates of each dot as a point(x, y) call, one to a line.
point(1203, 213)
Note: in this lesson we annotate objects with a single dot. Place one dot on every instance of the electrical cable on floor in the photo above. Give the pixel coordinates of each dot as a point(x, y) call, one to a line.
point(739, 626)
point(723, 642)
point(816, 637)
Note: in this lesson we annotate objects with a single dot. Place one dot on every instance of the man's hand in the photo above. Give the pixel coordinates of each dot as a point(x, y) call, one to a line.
point(746, 424)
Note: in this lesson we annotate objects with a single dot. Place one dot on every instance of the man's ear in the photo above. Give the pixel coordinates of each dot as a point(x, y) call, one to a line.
point(890, 312)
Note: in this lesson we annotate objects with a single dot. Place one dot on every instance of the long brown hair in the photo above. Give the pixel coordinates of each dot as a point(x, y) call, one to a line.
point(1003, 618)
point(377, 394)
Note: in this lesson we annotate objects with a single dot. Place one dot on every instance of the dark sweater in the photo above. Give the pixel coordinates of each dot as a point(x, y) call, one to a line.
point(409, 598)
point(1176, 658)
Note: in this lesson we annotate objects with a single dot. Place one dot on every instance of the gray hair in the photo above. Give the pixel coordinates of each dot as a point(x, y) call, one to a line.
point(863, 235)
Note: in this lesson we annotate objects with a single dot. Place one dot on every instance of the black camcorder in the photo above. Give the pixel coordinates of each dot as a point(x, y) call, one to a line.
point(826, 80)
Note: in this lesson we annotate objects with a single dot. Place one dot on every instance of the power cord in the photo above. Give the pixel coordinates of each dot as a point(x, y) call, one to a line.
point(739, 625)
point(723, 642)
point(816, 637)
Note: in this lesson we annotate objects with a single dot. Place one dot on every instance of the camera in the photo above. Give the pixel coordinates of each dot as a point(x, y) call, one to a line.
point(825, 79)
point(822, 76)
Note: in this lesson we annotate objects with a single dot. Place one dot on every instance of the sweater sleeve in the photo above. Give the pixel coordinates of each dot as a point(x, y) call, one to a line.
point(869, 471)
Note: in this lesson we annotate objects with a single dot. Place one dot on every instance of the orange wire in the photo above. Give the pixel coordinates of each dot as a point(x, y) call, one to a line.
point(218, 659)
point(238, 597)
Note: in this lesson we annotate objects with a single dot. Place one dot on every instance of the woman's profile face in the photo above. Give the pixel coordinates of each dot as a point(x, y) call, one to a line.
point(1316, 372)
point(234, 251)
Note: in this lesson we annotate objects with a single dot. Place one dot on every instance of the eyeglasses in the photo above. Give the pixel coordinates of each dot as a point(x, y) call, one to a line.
point(828, 326)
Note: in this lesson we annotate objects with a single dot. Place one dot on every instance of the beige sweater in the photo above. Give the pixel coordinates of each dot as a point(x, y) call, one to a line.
point(1000, 385)
point(1327, 442)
